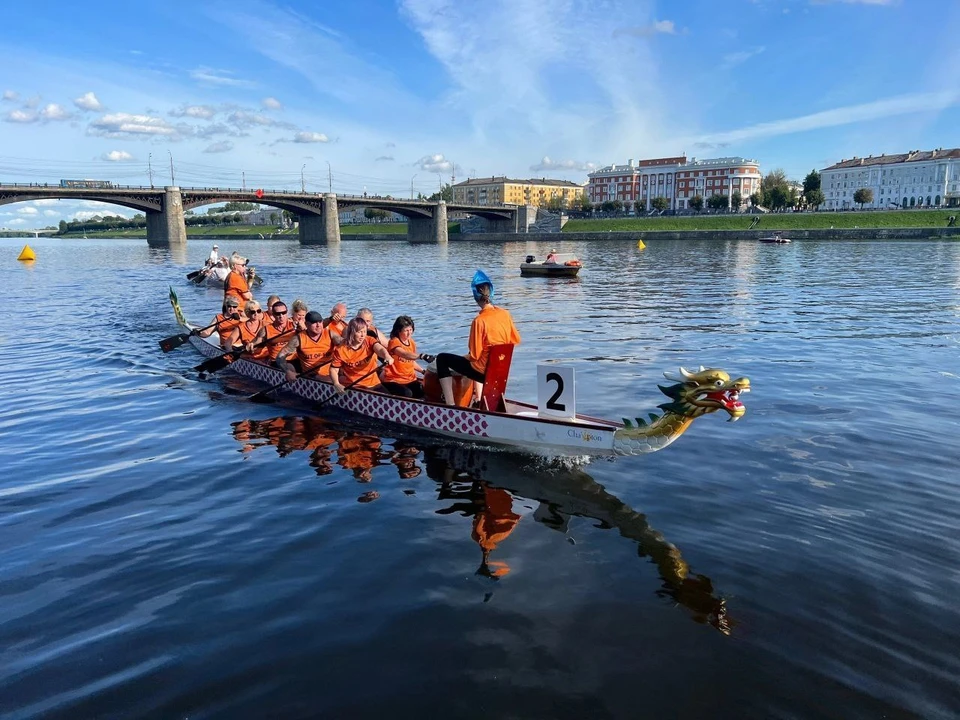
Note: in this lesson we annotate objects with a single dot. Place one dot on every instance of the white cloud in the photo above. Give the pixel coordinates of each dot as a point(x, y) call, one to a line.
point(21, 116)
point(117, 156)
point(11, 96)
point(546, 163)
point(88, 102)
point(127, 125)
point(211, 76)
point(51, 213)
point(434, 163)
point(738, 58)
point(27, 210)
point(201, 112)
point(219, 147)
point(17, 221)
point(891, 107)
point(657, 27)
point(310, 137)
point(52, 111)
point(272, 103)
point(242, 118)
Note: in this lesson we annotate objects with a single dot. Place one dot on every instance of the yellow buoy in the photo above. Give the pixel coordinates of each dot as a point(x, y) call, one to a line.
point(27, 254)
point(640, 244)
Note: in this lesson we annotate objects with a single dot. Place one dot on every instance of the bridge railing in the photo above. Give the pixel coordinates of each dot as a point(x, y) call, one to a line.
point(290, 193)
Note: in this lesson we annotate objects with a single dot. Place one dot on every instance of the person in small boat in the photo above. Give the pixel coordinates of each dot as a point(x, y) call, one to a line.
point(366, 314)
point(214, 256)
point(299, 314)
point(401, 377)
point(492, 326)
point(275, 332)
point(236, 283)
point(337, 322)
point(552, 257)
point(246, 332)
point(355, 360)
point(226, 321)
point(311, 349)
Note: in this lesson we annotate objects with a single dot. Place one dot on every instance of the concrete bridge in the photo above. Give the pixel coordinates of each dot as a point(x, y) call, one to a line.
point(318, 213)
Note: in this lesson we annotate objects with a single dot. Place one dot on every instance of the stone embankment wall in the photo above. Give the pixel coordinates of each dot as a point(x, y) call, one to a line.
point(634, 235)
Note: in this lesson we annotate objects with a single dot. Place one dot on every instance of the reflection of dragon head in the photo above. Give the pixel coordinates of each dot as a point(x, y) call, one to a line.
point(694, 394)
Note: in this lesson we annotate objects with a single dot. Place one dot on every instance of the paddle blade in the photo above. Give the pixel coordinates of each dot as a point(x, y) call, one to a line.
point(263, 396)
point(173, 342)
point(191, 276)
point(212, 365)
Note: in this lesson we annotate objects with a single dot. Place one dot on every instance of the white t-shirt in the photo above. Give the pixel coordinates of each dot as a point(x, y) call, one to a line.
point(214, 257)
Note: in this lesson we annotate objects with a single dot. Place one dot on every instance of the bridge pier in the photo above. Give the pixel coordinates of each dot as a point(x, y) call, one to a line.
point(431, 229)
point(167, 227)
point(321, 229)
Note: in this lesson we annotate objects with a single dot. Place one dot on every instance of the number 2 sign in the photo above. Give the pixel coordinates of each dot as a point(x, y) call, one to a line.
point(555, 394)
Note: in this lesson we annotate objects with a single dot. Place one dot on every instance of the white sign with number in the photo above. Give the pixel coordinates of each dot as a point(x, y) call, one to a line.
point(555, 394)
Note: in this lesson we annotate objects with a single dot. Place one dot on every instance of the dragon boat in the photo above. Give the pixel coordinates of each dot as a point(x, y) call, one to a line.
point(514, 423)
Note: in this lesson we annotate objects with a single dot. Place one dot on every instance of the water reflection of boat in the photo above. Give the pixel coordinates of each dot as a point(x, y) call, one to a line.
point(483, 485)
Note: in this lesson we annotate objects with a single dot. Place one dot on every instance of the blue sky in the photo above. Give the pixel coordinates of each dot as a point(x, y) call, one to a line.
point(393, 92)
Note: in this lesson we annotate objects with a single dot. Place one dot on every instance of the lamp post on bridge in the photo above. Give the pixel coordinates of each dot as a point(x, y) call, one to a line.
point(172, 179)
point(411, 184)
point(329, 178)
point(150, 168)
point(303, 185)
point(440, 194)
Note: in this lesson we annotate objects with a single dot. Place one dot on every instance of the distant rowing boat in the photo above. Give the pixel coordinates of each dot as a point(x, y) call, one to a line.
point(775, 238)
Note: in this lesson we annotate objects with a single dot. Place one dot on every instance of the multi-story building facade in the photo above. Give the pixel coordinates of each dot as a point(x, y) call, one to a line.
point(503, 190)
point(676, 179)
point(919, 178)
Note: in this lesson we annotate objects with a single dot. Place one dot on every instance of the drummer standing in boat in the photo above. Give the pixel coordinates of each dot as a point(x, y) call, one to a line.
point(214, 257)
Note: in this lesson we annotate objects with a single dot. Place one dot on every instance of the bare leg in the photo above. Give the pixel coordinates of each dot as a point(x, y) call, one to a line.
point(477, 391)
point(446, 386)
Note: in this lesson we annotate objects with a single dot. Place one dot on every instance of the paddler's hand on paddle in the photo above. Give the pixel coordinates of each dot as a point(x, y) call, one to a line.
point(290, 374)
point(427, 358)
point(341, 390)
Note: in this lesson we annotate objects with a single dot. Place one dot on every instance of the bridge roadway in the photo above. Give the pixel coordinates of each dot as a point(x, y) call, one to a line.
point(319, 220)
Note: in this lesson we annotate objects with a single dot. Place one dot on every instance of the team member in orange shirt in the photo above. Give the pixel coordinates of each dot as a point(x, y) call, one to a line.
point(355, 360)
point(311, 347)
point(337, 323)
point(492, 326)
point(236, 283)
point(226, 321)
point(401, 377)
point(274, 334)
point(246, 332)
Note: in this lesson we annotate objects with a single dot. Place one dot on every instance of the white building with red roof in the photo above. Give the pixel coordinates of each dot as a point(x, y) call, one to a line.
point(919, 178)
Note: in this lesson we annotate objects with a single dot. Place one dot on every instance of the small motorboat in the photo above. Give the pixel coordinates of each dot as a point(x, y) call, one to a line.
point(775, 238)
point(556, 265)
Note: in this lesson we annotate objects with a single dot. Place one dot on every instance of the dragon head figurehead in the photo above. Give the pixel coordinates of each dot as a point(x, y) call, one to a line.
point(693, 395)
point(705, 391)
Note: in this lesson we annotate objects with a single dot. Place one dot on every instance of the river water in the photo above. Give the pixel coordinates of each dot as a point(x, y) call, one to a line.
point(169, 549)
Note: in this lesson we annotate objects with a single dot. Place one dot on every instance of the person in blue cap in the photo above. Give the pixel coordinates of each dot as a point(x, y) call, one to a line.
point(492, 326)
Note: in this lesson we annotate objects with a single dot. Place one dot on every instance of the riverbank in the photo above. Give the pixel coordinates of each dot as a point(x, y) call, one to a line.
point(769, 222)
point(254, 232)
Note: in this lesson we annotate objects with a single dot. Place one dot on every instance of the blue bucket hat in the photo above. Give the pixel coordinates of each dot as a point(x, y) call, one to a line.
point(480, 278)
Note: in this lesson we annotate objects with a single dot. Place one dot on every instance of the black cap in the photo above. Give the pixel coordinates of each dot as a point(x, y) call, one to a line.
point(313, 317)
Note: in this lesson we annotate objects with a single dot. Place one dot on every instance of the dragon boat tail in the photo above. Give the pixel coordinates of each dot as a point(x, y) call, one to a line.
point(690, 396)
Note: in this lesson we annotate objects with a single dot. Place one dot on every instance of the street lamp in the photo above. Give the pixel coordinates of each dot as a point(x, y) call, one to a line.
point(329, 177)
point(172, 180)
point(411, 184)
point(440, 178)
point(303, 186)
point(150, 168)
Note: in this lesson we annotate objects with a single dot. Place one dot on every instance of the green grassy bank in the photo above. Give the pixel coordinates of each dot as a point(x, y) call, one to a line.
point(778, 221)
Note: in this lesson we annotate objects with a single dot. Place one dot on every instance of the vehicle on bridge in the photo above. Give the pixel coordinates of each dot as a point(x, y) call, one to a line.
point(86, 184)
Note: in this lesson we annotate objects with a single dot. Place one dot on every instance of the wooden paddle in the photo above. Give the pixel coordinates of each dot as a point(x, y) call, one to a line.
point(175, 341)
point(212, 365)
point(264, 395)
point(191, 276)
